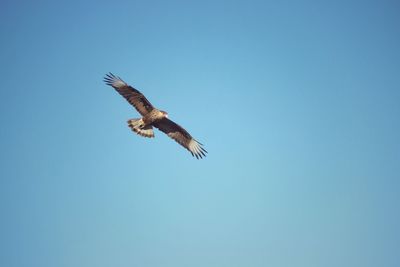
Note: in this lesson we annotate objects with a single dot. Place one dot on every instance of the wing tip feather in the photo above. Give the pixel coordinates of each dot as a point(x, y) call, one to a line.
point(113, 80)
point(196, 148)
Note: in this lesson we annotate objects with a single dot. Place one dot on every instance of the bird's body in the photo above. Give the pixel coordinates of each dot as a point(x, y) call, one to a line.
point(152, 116)
point(144, 126)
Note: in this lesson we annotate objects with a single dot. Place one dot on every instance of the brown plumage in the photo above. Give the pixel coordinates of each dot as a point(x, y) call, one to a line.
point(153, 117)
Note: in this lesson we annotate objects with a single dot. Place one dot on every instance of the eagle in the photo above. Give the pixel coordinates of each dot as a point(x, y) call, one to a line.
point(152, 116)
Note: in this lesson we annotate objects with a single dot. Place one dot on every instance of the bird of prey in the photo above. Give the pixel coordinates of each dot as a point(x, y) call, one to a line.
point(152, 116)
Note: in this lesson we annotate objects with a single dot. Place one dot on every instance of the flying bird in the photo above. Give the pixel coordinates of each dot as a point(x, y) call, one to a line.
point(152, 116)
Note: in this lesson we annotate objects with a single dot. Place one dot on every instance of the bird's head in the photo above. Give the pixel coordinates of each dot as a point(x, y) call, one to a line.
point(164, 113)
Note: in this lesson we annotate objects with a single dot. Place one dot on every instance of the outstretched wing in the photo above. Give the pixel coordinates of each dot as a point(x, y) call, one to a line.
point(134, 97)
point(181, 136)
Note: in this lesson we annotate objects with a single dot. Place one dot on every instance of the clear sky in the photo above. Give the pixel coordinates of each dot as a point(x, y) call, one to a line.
point(297, 102)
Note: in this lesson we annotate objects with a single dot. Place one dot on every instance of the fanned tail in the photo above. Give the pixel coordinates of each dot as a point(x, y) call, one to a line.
point(138, 126)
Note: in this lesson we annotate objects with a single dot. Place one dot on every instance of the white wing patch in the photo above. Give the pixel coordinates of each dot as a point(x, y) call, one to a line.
point(196, 149)
point(114, 81)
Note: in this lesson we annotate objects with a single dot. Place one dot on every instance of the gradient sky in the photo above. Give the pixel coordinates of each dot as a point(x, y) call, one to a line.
point(297, 102)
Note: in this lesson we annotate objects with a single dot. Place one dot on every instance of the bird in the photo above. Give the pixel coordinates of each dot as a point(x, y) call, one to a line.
point(153, 117)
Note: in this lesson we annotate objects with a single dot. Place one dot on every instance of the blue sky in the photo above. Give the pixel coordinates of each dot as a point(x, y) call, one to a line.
point(297, 103)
